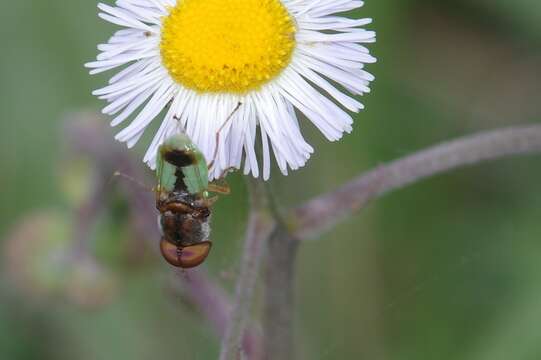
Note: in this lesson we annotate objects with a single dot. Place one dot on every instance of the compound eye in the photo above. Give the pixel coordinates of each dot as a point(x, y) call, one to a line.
point(185, 256)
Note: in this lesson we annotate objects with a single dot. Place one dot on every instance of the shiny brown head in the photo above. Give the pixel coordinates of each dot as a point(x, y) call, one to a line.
point(185, 256)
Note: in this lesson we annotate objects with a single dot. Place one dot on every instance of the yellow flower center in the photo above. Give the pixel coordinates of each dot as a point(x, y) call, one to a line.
point(227, 45)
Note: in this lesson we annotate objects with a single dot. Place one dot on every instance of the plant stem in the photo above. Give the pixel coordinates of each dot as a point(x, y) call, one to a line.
point(324, 212)
point(212, 302)
point(259, 228)
point(278, 310)
point(267, 229)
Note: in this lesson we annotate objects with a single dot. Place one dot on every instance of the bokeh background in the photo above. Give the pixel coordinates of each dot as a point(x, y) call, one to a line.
point(446, 269)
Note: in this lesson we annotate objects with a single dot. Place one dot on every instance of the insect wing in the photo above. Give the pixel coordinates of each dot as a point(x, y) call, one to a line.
point(165, 172)
point(196, 175)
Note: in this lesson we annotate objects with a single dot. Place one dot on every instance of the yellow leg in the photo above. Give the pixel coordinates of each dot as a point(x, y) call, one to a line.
point(211, 165)
point(210, 201)
point(219, 187)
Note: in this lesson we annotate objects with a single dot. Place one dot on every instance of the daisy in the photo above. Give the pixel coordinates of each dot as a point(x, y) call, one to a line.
point(191, 62)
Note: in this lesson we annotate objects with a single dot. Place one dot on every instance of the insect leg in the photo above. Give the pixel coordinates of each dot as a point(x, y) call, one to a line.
point(225, 172)
point(218, 135)
point(221, 188)
point(210, 201)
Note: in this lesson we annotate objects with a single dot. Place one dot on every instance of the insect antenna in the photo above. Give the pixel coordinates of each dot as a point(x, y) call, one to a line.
point(132, 180)
point(181, 128)
point(218, 135)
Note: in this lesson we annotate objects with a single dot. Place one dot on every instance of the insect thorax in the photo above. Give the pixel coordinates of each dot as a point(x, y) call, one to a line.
point(184, 219)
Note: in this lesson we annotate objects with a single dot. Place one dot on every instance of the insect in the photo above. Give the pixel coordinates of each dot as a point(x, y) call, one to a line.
point(184, 202)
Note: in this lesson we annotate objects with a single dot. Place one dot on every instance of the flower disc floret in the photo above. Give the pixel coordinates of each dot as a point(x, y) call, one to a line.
point(232, 46)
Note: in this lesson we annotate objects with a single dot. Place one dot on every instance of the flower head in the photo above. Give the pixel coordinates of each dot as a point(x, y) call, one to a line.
point(196, 60)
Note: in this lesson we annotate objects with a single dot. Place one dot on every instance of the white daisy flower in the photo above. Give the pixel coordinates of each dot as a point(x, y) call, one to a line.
point(195, 60)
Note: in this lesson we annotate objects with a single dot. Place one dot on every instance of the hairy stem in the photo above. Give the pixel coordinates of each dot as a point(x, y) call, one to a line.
point(260, 226)
point(213, 302)
point(278, 310)
point(322, 213)
point(267, 231)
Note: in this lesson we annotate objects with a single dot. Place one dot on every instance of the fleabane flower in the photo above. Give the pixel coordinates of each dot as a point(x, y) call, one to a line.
point(191, 62)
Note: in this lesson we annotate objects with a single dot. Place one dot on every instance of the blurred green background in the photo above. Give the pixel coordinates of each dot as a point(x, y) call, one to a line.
point(446, 269)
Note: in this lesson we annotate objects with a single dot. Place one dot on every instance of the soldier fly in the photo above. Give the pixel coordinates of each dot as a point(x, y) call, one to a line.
point(184, 201)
